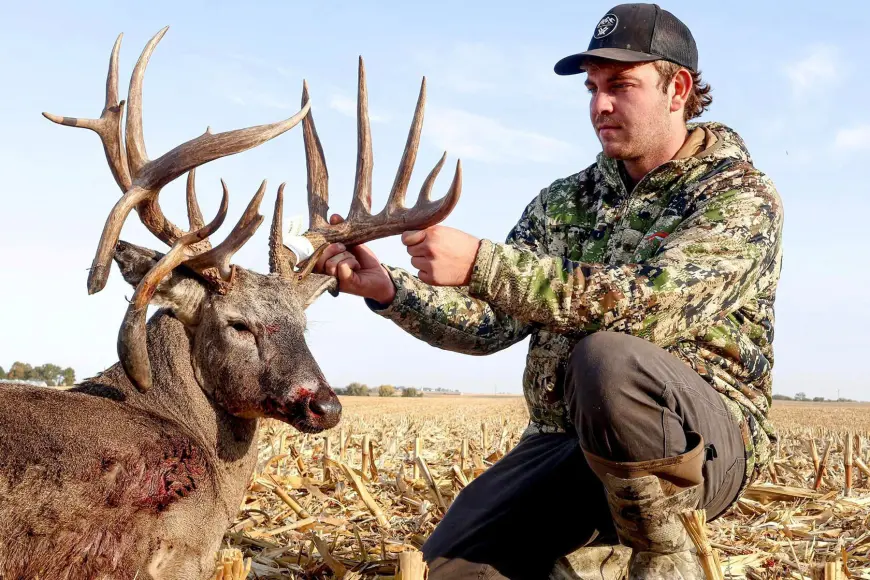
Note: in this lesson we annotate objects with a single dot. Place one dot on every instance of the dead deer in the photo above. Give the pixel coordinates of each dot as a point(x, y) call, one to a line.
point(137, 472)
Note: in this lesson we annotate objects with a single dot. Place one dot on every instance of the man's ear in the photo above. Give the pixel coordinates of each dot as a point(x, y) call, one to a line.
point(181, 293)
point(682, 88)
point(313, 285)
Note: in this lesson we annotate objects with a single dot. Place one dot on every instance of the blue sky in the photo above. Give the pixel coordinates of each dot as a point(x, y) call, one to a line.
point(792, 82)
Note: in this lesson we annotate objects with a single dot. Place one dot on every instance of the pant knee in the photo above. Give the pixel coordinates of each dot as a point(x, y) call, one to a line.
point(600, 371)
point(617, 404)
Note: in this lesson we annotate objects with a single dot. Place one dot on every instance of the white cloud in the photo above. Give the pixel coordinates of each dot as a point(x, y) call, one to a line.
point(853, 139)
point(821, 67)
point(347, 106)
point(470, 136)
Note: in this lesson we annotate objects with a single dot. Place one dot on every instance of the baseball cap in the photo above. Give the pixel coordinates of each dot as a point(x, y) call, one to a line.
point(636, 33)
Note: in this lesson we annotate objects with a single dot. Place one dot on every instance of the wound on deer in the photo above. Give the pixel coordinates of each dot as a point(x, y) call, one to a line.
point(171, 476)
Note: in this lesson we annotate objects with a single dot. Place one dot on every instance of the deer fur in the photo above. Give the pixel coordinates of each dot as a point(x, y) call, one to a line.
point(103, 481)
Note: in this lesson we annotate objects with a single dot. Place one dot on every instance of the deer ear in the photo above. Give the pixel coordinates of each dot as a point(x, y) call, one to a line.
point(313, 285)
point(180, 292)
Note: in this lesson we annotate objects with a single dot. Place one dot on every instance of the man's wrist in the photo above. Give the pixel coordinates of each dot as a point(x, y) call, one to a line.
point(387, 294)
point(480, 270)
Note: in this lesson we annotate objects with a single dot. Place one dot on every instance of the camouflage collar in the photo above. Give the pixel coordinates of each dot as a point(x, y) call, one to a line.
point(729, 145)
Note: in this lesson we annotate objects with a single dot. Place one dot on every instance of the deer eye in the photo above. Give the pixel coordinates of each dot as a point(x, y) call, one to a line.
point(240, 327)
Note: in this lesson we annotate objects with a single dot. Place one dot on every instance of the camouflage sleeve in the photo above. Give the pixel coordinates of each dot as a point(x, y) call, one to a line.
point(708, 267)
point(450, 318)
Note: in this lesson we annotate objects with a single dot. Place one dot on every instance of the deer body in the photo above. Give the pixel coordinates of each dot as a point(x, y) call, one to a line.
point(136, 473)
point(128, 484)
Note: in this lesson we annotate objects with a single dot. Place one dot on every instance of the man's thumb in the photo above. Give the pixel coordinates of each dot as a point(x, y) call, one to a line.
point(413, 237)
point(335, 219)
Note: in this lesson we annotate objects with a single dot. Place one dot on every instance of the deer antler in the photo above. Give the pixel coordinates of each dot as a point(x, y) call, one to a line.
point(219, 257)
point(142, 179)
point(361, 226)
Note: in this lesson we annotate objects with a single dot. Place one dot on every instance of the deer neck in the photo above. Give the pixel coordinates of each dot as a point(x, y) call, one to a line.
point(178, 401)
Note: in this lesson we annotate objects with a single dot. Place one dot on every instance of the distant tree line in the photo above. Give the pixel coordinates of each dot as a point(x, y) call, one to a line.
point(803, 397)
point(52, 374)
point(361, 390)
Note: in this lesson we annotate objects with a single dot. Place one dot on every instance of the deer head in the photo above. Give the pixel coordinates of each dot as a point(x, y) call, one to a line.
point(249, 352)
point(248, 345)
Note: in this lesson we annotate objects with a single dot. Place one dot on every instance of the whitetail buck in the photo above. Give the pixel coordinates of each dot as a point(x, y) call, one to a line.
point(137, 473)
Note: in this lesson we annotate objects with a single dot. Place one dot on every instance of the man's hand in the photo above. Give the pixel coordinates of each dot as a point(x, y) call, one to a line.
point(357, 269)
point(444, 256)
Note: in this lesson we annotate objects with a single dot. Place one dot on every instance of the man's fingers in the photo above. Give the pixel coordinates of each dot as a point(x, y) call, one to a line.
point(331, 251)
point(421, 250)
point(331, 264)
point(346, 269)
point(425, 277)
point(420, 263)
point(413, 237)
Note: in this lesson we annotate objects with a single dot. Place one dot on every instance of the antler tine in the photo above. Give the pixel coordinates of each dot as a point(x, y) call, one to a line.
point(219, 257)
point(396, 200)
point(132, 342)
point(112, 77)
point(318, 175)
point(281, 260)
point(136, 154)
point(362, 189)
point(434, 212)
point(426, 189)
point(194, 213)
point(108, 126)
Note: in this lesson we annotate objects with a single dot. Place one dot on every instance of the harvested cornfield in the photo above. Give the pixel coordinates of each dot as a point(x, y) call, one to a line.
point(347, 503)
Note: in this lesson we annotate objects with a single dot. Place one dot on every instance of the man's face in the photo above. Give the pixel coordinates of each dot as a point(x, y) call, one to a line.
point(629, 111)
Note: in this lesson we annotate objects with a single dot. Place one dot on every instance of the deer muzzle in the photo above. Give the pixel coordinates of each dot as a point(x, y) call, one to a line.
point(309, 409)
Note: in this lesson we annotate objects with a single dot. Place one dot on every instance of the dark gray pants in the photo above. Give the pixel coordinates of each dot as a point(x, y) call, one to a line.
point(629, 401)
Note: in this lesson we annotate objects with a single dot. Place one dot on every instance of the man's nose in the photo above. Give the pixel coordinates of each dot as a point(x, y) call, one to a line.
point(600, 104)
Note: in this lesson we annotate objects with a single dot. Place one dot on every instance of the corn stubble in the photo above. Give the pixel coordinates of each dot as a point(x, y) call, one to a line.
point(358, 502)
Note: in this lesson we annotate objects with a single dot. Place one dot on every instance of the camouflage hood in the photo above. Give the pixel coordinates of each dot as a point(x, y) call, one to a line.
point(689, 259)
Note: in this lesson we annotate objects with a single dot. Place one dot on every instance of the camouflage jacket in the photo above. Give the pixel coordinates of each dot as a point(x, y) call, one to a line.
point(689, 260)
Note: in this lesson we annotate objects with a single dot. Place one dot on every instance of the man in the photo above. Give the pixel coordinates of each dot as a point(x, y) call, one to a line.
point(647, 283)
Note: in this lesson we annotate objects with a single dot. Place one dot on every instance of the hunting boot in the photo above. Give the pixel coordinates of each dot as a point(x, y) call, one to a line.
point(645, 500)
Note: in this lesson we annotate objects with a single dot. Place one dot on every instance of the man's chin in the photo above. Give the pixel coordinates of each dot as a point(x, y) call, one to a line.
point(617, 151)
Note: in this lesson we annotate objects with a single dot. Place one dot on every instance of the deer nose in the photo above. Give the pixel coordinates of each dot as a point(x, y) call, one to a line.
point(326, 406)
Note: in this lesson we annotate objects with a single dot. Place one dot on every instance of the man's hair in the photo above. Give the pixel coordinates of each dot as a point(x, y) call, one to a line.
point(699, 99)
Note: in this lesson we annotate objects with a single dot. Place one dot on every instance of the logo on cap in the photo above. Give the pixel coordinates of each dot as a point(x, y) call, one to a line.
point(606, 25)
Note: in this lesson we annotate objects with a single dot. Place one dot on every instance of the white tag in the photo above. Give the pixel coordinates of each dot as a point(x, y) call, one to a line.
point(296, 227)
point(300, 246)
point(296, 242)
